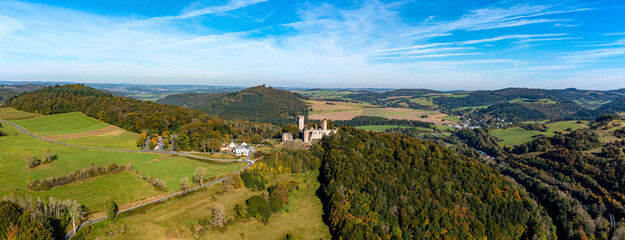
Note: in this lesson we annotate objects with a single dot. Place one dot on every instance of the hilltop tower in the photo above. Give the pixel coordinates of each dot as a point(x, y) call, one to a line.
point(300, 123)
point(324, 125)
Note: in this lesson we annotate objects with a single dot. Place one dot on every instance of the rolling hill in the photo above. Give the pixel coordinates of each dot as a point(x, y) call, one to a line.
point(258, 104)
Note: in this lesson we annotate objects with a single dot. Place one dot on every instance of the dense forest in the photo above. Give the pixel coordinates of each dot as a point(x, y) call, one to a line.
point(387, 186)
point(582, 192)
point(534, 104)
point(371, 120)
point(378, 98)
point(257, 104)
point(193, 127)
point(480, 98)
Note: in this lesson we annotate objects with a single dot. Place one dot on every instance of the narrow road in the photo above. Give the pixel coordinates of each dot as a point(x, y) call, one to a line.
point(249, 164)
point(183, 154)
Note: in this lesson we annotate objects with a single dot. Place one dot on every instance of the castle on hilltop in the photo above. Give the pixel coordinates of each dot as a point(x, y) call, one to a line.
point(309, 135)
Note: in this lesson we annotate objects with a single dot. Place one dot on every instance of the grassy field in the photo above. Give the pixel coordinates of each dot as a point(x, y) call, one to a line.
point(422, 101)
point(15, 149)
point(516, 135)
point(9, 113)
point(321, 94)
point(336, 110)
point(58, 124)
point(218, 155)
point(79, 129)
point(382, 128)
point(123, 140)
point(14, 173)
point(347, 111)
point(173, 168)
point(123, 188)
point(379, 128)
point(180, 218)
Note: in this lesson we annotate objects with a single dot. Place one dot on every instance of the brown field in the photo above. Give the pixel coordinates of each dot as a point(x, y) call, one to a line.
point(107, 131)
point(347, 111)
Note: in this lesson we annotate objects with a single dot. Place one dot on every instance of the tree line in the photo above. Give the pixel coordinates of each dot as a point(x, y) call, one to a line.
point(192, 127)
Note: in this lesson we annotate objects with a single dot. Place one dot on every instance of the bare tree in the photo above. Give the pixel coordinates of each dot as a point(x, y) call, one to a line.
point(219, 216)
point(184, 183)
point(76, 211)
point(199, 175)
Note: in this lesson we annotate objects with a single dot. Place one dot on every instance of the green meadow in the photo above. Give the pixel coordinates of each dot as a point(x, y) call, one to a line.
point(181, 218)
point(60, 124)
point(9, 113)
point(516, 135)
point(422, 101)
point(382, 128)
point(172, 169)
point(123, 187)
point(125, 140)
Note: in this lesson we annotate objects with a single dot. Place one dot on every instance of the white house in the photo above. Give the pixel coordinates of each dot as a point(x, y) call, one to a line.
point(228, 148)
point(242, 150)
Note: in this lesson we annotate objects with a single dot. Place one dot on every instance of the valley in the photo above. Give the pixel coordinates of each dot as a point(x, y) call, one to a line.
point(558, 175)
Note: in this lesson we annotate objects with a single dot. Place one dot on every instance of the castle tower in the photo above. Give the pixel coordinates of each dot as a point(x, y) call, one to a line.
point(300, 123)
point(324, 124)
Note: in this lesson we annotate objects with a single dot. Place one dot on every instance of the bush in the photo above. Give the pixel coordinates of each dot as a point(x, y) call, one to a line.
point(184, 183)
point(159, 184)
point(2, 134)
point(48, 156)
point(33, 161)
point(254, 179)
point(258, 207)
point(110, 208)
point(232, 182)
point(279, 196)
point(239, 211)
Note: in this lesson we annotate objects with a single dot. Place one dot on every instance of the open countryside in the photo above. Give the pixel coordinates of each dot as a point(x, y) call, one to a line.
point(124, 187)
point(312, 120)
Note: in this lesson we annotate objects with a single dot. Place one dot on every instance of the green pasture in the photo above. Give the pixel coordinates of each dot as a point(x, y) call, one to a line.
point(422, 101)
point(14, 173)
point(60, 124)
point(179, 218)
point(516, 135)
point(382, 128)
point(126, 140)
point(123, 188)
point(172, 169)
point(9, 113)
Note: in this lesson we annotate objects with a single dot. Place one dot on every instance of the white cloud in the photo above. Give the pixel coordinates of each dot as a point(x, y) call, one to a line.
point(327, 47)
point(8, 26)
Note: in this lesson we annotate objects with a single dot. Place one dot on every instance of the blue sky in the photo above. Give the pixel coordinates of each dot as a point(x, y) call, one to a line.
point(446, 45)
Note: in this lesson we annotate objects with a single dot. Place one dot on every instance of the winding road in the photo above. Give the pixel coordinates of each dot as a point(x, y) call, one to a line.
point(183, 154)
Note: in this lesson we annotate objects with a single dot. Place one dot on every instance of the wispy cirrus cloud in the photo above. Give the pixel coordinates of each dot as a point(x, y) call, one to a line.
point(321, 44)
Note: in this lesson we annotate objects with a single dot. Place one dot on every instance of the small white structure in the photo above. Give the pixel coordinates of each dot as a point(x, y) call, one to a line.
point(228, 148)
point(242, 150)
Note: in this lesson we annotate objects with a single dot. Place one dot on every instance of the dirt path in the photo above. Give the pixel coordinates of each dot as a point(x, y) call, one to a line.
point(110, 131)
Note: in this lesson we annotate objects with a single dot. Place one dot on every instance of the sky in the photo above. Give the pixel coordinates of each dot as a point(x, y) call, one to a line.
point(443, 45)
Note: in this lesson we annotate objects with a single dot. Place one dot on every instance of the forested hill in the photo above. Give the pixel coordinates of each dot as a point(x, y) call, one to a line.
point(7, 91)
point(386, 186)
point(480, 98)
point(194, 127)
point(258, 104)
